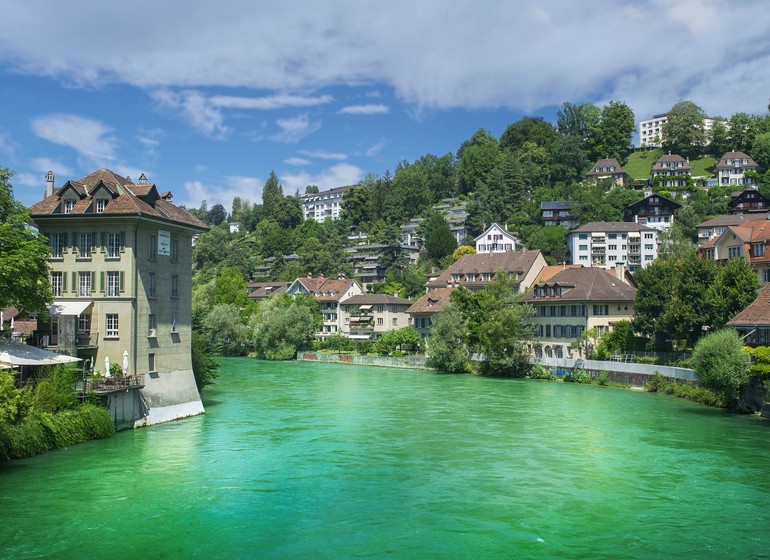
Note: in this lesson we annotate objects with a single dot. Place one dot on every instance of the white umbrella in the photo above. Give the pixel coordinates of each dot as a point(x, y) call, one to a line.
point(106, 366)
point(125, 362)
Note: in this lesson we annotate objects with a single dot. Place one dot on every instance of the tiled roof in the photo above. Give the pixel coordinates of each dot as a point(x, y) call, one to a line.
point(549, 272)
point(376, 299)
point(722, 164)
point(584, 284)
point(730, 220)
point(432, 302)
point(127, 198)
point(756, 314)
point(609, 227)
point(518, 263)
point(555, 205)
point(671, 158)
point(646, 201)
point(608, 163)
point(261, 290)
point(328, 289)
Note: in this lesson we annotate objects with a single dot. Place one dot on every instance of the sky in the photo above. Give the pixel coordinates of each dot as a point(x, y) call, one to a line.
point(207, 98)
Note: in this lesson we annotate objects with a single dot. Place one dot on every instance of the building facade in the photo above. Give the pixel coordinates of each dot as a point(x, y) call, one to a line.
point(732, 167)
point(671, 171)
point(496, 239)
point(121, 274)
point(322, 206)
point(606, 244)
point(369, 316)
point(654, 211)
point(476, 272)
point(608, 170)
point(329, 293)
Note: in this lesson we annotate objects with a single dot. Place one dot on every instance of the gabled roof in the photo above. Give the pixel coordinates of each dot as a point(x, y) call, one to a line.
point(732, 156)
point(757, 314)
point(610, 227)
point(325, 289)
point(647, 201)
point(730, 220)
point(262, 290)
point(606, 166)
point(432, 302)
point(550, 271)
point(126, 198)
point(583, 284)
point(496, 227)
point(519, 263)
point(663, 161)
point(555, 205)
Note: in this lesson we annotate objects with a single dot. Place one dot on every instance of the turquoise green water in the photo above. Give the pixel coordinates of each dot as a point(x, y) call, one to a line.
point(304, 460)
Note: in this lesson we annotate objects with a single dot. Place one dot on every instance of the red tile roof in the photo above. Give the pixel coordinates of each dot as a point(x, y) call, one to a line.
point(756, 314)
point(432, 302)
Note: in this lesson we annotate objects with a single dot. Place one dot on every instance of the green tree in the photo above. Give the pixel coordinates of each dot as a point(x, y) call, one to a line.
point(439, 240)
point(475, 160)
point(741, 132)
point(760, 152)
point(721, 364)
point(24, 270)
point(227, 332)
point(569, 159)
point(580, 121)
point(230, 288)
point(551, 240)
point(614, 132)
point(447, 348)
point(399, 339)
point(528, 129)
point(203, 365)
point(216, 215)
point(719, 141)
point(734, 287)
point(356, 207)
point(283, 325)
point(683, 131)
point(272, 193)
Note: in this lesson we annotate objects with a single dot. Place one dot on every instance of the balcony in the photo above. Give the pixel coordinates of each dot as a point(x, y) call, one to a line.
point(107, 385)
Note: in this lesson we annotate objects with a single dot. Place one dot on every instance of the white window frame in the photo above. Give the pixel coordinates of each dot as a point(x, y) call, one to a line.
point(112, 323)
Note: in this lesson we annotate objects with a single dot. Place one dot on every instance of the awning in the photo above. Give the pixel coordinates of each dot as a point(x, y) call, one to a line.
point(364, 307)
point(360, 336)
point(18, 354)
point(69, 307)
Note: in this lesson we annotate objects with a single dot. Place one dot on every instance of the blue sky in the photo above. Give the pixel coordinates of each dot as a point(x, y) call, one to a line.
point(207, 98)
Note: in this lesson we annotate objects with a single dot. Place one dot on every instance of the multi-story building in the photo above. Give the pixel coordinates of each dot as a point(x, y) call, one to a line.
point(557, 213)
point(370, 261)
point(368, 316)
point(324, 205)
point(121, 274)
point(732, 167)
point(716, 226)
point(422, 311)
point(749, 241)
point(608, 169)
point(574, 300)
point(454, 212)
point(496, 239)
point(671, 171)
point(653, 211)
point(651, 133)
point(329, 293)
point(748, 201)
point(607, 244)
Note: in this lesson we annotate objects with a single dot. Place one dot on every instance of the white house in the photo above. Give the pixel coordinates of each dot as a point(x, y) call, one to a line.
point(496, 239)
point(606, 244)
point(330, 293)
point(322, 206)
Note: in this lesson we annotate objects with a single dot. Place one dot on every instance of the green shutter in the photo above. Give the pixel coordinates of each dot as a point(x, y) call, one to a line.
point(75, 242)
point(64, 242)
point(63, 282)
point(101, 281)
point(93, 281)
point(74, 282)
point(122, 279)
point(103, 246)
point(122, 241)
point(93, 242)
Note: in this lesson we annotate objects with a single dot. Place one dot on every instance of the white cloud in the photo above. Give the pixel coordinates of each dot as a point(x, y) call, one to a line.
point(196, 109)
point(295, 129)
point(339, 175)
point(247, 188)
point(91, 139)
point(648, 53)
point(8, 146)
point(373, 109)
point(43, 165)
point(296, 161)
point(323, 154)
point(271, 102)
point(375, 149)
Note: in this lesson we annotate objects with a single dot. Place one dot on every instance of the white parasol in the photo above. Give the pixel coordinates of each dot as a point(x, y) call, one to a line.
point(106, 366)
point(125, 362)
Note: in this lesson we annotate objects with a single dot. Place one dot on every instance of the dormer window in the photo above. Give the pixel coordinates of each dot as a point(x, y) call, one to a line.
point(69, 206)
point(101, 205)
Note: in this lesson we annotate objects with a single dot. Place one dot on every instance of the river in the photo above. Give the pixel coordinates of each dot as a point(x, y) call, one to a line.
point(308, 460)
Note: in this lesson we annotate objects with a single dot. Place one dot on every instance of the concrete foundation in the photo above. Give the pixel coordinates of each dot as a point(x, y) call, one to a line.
point(169, 396)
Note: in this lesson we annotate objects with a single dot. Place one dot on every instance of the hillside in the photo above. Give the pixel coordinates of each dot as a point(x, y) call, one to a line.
point(640, 163)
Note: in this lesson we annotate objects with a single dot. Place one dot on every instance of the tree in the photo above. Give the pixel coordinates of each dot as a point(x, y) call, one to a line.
point(569, 159)
point(528, 129)
point(760, 152)
point(289, 212)
point(461, 251)
point(613, 134)
point(216, 215)
point(272, 193)
point(283, 325)
point(580, 121)
point(439, 240)
point(395, 339)
point(24, 270)
point(721, 364)
point(447, 348)
point(356, 207)
point(683, 131)
point(223, 326)
point(719, 141)
point(203, 365)
point(552, 241)
point(230, 288)
point(741, 132)
point(734, 287)
point(475, 160)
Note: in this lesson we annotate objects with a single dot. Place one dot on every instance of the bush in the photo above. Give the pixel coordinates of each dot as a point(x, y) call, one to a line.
point(540, 372)
point(721, 364)
point(578, 376)
point(337, 343)
point(683, 389)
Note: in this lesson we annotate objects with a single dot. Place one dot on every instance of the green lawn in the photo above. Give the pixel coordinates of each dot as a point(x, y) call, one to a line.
point(640, 163)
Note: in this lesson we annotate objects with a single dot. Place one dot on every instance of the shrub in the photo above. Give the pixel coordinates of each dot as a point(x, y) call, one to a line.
point(540, 372)
point(721, 364)
point(578, 376)
point(683, 389)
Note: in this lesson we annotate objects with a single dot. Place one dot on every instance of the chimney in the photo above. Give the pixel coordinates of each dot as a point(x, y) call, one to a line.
point(49, 184)
point(340, 276)
point(620, 271)
point(309, 274)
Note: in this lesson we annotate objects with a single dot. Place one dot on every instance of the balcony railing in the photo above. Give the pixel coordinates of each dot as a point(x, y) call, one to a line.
point(104, 385)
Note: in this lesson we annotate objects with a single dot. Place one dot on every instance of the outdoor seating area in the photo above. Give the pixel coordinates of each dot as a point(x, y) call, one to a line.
point(104, 385)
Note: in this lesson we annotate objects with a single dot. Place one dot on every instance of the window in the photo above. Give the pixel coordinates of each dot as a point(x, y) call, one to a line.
point(380, 321)
point(152, 250)
point(174, 320)
point(151, 325)
point(395, 322)
point(57, 245)
point(380, 309)
point(758, 249)
point(174, 250)
point(583, 247)
point(174, 286)
point(766, 275)
point(112, 325)
point(151, 361)
point(113, 245)
point(84, 324)
point(84, 247)
point(57, 283)
point(69, 206)
point(601, 309)
point(151, 285)
point(648, 246)
point(612, 247)
point(84, 284)
point(101, 205)
point(113, 284)
point(733, 252)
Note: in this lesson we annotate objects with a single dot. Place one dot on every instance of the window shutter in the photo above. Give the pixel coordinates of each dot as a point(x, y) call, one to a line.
point(64, 242)
point(122, 241)
point(93, 242)
point(93, 281)
point(101, 281)
point(103, 246)
point(64, 282)
point(122, 278)
point(74, 282)
point(75, 242)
